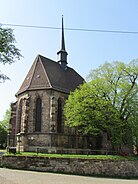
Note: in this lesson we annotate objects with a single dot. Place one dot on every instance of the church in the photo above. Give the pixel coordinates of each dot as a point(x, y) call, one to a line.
point(37, 117)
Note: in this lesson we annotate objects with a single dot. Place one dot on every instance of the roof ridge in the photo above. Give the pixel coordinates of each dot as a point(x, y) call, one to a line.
point(47, 58)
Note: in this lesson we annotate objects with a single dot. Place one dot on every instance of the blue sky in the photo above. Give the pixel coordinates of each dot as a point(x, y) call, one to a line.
point(86, 50)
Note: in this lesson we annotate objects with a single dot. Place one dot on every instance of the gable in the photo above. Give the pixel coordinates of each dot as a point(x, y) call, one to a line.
point(39, 79)
point(26, 83)
point(35, 79)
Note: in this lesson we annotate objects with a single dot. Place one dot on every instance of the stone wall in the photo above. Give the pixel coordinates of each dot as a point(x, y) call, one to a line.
point(53, 133)
point(116, 168)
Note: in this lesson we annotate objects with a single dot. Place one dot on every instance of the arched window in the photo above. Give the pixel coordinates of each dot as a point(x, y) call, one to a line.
point(38, 115)
point(19, 116)
point(52, 111)
point(59, 117)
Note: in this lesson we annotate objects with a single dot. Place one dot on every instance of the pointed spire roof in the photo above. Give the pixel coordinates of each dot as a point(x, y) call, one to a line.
point(62, 53)
point(62, 37)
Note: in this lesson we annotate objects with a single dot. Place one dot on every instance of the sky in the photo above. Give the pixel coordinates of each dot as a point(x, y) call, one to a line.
point(86, 50)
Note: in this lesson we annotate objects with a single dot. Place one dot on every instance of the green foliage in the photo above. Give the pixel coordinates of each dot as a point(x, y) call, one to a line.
point(97, 157)
point(108, 102)
point(90, 112)
point(3, 136)
point(4, 129)
point(119, 83)
point(9, 53)
point(6, 118)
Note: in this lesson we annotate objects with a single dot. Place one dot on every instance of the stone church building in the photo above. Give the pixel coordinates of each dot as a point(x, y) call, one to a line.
point(37, 118)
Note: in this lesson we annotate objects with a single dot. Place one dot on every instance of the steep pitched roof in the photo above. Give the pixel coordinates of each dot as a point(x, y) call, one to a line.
point(48, 74)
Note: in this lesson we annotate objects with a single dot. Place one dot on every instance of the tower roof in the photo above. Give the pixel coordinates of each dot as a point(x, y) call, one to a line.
point(48, 74)
point(62, 37)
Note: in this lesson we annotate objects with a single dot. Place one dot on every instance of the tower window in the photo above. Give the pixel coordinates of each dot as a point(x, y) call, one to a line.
point(38, 115)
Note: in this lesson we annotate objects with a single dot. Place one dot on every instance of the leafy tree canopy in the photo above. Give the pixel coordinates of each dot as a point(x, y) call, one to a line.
point(9, 53)
point(4, 129)
point(6, 118)
point(108, 102)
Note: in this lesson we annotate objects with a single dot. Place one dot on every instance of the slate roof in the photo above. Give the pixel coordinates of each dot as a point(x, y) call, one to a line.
point(48, 74)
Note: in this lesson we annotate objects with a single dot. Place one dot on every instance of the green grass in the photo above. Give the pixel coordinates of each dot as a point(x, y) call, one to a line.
point(95, 157)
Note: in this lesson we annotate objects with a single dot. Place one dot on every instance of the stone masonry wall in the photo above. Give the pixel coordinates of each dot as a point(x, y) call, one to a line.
point(73, 166)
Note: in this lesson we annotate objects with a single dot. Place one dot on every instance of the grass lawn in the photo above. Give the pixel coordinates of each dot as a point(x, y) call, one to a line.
point(100, 157)
point(3, 150)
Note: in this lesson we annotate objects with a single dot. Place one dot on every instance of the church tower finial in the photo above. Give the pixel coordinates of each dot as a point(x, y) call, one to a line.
point(62, 53)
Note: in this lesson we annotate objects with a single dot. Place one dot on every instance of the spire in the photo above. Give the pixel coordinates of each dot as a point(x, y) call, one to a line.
point(62, 53)
point(62, 37)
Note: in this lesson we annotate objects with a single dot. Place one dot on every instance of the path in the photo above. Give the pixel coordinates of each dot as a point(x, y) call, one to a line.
point(9, 176)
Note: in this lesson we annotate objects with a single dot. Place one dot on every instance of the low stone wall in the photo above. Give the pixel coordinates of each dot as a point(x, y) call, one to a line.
point(73, 166)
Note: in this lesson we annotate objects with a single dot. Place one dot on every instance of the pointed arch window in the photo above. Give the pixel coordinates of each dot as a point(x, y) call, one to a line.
point(19, 116)
point(38, 115)
point(59, 117)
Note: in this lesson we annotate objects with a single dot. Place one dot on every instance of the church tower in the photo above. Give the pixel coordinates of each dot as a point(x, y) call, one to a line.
point(62, 54)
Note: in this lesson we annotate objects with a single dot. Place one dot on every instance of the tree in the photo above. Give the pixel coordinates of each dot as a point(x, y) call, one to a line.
point(9, 53)
point(4, 129)
point(108, 102)
point(91, 113)
point(3, 136)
